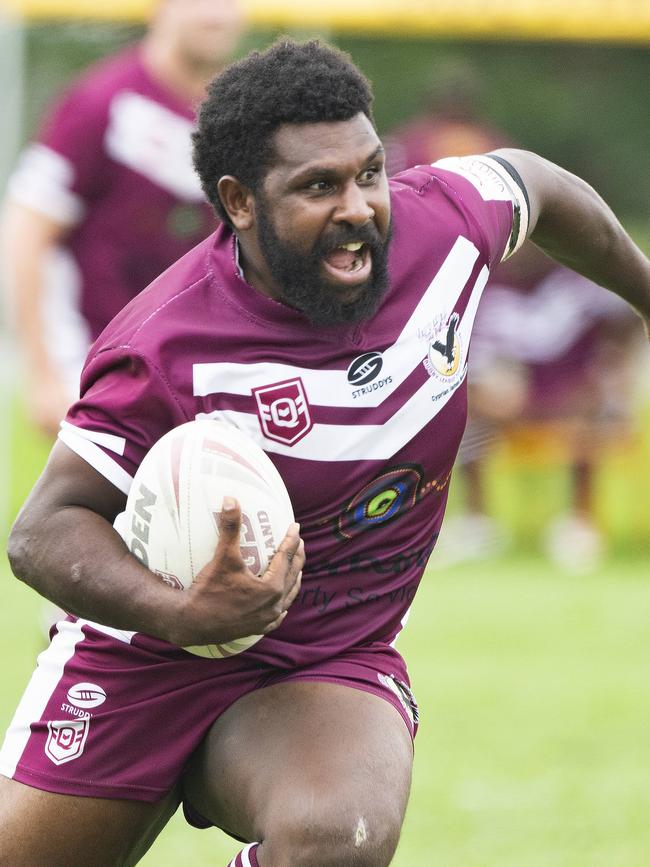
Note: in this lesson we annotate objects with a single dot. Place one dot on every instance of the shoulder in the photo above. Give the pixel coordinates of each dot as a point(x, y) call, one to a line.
point(478, 197)
point(174, 304)
point(469, 180)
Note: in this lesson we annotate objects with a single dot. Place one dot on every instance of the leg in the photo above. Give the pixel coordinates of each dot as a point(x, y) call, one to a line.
point(43, 829)
point(318, 772)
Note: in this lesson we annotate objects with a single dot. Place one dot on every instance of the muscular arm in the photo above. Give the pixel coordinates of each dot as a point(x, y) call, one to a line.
point(28, 238)
point(570, 222)
point(64, 546)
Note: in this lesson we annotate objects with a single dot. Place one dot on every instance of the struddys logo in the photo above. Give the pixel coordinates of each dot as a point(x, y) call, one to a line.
point(444, 355)
point(364, 374)
point(283, 411)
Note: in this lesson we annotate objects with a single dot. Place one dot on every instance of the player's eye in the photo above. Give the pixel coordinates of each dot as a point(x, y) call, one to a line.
point(319, 186)
point(369, 175)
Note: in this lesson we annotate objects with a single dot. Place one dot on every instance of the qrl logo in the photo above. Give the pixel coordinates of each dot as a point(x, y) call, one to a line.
point(365, 368)
point(283, 411)
point(66, 740)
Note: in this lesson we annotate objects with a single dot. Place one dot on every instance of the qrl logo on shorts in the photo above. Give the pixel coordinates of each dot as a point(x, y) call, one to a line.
point(66, 739)
point(283, 411)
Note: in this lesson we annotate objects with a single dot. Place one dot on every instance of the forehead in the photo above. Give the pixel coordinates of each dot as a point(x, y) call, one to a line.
point(342, 145)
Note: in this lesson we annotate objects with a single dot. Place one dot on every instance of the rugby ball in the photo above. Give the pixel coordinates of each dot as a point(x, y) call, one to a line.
point(170, 522)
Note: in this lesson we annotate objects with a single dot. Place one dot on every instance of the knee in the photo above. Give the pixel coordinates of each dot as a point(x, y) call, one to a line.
point(331, 836)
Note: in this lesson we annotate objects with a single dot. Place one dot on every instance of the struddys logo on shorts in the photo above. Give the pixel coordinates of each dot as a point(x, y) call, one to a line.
point(86, 695)
point(283, 411)
point(66, 739)
point(444, 355)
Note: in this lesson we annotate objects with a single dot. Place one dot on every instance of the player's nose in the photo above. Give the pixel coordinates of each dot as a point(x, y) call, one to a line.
point(353, 206)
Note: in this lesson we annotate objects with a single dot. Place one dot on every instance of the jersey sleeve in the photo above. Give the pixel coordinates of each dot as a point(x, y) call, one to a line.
point(495, 197)
point(65, 167)
point(125, 406)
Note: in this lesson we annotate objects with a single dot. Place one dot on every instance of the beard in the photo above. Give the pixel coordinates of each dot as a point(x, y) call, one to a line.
point(303, 285)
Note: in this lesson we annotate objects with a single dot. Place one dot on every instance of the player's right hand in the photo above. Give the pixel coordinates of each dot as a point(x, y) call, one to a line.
point(226, 600)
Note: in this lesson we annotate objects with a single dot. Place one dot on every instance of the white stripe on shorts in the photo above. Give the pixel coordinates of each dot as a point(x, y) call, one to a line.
point(44, 680)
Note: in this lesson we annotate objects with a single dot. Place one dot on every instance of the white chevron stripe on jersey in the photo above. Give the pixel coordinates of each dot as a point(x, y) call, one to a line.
point(330, 387)
point(339, 442)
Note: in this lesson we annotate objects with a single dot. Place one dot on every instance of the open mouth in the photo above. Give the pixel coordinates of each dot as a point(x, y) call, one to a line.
point(349, 263)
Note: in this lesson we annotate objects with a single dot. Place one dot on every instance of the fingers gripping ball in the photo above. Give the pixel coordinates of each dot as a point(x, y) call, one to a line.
point(172, 511)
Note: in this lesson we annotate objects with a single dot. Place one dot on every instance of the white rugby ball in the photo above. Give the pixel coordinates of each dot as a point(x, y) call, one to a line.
point(170, 522)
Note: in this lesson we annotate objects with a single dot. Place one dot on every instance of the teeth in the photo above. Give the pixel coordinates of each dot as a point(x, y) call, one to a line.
point(353, 246)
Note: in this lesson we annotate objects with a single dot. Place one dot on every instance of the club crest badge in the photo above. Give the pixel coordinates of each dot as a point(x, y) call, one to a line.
point(283, 411)
point(66, 739)
point(444, 355)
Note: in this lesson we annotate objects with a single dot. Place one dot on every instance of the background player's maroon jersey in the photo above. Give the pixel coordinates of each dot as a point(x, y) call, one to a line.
point(113, 161)
point(362, 422)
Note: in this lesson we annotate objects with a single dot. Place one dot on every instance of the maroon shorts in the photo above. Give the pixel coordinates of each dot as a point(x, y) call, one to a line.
point(102, 717)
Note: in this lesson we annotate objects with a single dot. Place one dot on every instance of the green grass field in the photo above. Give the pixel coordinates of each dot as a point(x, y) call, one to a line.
point(534, 745)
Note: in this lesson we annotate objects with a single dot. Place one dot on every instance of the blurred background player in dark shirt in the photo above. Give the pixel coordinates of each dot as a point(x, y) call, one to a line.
point(543, 352)
point(105, 197)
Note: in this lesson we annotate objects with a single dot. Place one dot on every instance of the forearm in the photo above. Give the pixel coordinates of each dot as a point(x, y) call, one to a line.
point(572, 223)
point(64, 546)
point(77, 560)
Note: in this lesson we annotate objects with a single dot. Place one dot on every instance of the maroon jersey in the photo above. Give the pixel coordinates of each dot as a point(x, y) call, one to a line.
point(363, 422)
point(113, 161)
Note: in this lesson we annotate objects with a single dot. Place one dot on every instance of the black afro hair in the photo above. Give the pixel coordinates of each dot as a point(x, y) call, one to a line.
point(290, 82)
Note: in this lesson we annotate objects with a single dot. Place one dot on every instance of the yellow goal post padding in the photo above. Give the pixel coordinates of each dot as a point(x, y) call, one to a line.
point(606, 20)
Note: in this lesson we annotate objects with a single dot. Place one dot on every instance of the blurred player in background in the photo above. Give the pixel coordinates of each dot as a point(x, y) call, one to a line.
point(451, 122)
point(106, 197)
point(543, 348)
point(553, 371)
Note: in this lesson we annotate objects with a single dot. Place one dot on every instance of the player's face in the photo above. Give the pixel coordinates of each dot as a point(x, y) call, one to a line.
point(322, 220)
point(206, 32)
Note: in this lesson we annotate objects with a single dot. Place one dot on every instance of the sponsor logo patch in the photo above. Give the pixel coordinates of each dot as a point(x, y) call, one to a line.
point(444, 360)
point(86, 695)
point(384, 499)
point(365, 368)
point(66, 739)
point(283, 411)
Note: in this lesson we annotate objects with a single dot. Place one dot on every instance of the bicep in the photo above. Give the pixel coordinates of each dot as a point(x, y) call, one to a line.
point(559, 200)
point(68, 481)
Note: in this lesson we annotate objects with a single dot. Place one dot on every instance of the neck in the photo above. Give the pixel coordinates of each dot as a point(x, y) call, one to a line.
point(252, 267)
point(184, 76)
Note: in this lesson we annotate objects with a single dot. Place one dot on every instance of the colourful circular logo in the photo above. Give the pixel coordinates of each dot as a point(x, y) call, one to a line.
point(382, 500)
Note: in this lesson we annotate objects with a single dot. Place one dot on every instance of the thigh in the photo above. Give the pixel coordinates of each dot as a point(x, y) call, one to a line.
point(304, 753)
point(44, 829)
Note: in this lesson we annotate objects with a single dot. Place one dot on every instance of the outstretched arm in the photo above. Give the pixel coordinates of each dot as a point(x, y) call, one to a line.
point(572, 223)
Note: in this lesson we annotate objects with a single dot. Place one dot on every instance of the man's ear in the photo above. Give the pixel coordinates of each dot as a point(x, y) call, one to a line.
point(238, 202)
